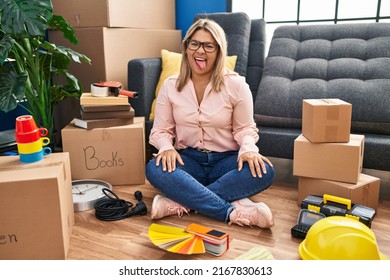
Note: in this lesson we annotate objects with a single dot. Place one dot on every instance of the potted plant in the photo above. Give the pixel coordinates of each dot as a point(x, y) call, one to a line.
point(30, 66)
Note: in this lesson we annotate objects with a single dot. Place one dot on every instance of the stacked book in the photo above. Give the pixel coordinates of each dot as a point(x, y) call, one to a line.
point(102, 112)
point(194, 239)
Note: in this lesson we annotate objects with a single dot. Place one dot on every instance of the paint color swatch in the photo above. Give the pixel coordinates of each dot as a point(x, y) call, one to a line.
point(195, 239)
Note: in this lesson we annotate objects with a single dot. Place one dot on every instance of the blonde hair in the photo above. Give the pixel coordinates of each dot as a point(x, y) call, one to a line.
point(219, 36)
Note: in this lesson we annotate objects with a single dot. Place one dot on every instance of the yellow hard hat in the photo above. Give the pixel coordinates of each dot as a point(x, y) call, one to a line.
point(340, 238)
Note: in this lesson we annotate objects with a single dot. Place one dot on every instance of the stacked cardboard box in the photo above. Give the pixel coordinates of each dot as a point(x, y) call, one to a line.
point(114, 154)
point(328, 159)
point(113, 32)
point(36, 208)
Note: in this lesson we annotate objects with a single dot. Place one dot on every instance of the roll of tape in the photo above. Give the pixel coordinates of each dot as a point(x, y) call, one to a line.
point(99, 91)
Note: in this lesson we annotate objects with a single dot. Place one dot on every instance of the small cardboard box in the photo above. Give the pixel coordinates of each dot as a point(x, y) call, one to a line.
point(36, 208)
point(158, 14)
point(364, 192)
point(114, 154)
point(110, 50)
point(326, 120)
point(331, 161)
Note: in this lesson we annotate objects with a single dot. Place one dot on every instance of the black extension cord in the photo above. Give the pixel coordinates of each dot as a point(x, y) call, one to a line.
point(113, 208)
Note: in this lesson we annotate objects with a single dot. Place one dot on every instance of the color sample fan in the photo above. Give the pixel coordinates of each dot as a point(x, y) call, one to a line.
point(176, 240)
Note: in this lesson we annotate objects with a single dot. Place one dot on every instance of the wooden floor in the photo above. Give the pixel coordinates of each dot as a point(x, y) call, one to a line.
point(127, 239)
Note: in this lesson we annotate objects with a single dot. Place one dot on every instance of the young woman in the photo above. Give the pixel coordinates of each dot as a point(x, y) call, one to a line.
point(205, 134)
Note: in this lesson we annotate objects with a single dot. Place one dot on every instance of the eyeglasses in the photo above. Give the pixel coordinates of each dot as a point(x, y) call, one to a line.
point(208, 47)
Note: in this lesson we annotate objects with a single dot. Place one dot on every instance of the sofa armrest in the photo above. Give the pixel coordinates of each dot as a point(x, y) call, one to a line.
point(142, 76)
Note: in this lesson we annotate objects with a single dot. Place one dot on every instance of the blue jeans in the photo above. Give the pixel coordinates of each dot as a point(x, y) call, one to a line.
point(208, 182)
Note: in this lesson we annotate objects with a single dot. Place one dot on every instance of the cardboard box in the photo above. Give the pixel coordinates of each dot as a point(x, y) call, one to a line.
point(158, 14)
point(114, 154)
point(36, 208)
point(331, 161)
point(110, 50)
point(326, 120)
point(364, 192)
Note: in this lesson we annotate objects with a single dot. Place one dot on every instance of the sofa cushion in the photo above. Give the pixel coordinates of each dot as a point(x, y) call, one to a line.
point(237, 27)
point(256, 55)
point(346, 61)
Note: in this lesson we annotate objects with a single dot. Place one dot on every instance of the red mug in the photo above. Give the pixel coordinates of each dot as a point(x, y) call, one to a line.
point(31, 136)
point(27, 131)
point(25, 124)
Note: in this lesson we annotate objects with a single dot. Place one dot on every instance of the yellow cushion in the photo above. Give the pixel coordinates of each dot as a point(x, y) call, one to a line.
point(171, 65)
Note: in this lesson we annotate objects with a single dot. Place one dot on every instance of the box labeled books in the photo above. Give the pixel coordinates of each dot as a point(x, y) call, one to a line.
point(114, 154)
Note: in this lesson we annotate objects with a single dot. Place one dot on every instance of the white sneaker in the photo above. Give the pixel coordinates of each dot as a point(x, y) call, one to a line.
point(248, 213)
point(163, 207)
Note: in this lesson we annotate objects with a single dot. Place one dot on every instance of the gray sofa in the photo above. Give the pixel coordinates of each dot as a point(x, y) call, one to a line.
point(346, 61)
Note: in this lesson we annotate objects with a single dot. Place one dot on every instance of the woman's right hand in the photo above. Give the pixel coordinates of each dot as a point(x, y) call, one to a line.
point(168, 160)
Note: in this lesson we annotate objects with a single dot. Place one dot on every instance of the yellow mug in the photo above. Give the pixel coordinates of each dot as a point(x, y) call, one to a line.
point(33, 147)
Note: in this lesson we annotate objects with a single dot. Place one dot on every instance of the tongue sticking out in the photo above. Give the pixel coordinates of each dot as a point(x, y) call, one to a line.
point(201, 63)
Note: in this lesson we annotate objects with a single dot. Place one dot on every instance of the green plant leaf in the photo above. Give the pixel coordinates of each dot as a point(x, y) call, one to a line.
point(61, 50)
point(73, 85)
point(71, 89)
point(12, 89)
point(25, 18)
point(6, 44)
point(60, 60)
point(59, 23)
point(76, 56)
point(29, 63)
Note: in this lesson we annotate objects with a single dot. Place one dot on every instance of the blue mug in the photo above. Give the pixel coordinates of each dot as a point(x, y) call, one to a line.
point(34, 157)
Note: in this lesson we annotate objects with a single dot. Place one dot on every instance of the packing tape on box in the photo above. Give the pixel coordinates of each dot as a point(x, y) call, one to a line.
point(99, 91)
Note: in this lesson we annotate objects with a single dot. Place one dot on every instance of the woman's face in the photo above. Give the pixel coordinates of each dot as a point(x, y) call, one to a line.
point(202, 62)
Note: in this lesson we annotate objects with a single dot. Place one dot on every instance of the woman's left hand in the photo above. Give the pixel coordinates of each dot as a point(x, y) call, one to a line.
point(255, 162)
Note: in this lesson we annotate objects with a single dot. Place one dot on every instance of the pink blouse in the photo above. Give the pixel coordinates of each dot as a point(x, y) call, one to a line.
point(222, 122)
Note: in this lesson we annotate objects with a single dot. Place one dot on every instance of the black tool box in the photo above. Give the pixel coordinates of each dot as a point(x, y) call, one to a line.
point(331, 205)
point(306, 219)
